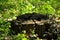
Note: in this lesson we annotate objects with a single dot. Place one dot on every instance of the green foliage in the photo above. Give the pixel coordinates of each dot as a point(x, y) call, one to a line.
point(17, 7)
point(4, 28)
point(19, 37)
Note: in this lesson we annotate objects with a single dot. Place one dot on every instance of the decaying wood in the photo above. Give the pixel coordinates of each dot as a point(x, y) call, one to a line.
point(36, 21)
point(30, 22)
